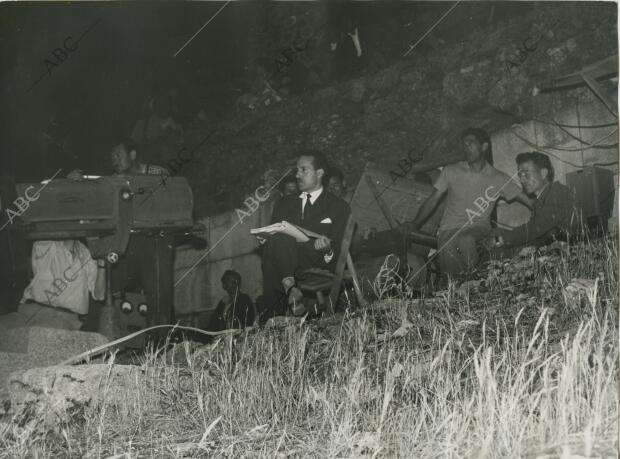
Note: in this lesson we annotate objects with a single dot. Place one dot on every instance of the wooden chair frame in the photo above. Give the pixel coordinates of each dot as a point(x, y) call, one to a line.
point(318, 281)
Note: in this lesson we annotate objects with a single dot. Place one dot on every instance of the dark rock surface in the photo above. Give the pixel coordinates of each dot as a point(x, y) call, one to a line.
point(483, 76)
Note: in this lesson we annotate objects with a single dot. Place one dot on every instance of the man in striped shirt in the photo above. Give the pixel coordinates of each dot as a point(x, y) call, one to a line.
point(125, 161)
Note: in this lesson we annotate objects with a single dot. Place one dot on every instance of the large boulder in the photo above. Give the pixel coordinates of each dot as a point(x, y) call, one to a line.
point(47, 397)
point(22, 348)
point(10, 362)
point(48, 346)
point(33, 314)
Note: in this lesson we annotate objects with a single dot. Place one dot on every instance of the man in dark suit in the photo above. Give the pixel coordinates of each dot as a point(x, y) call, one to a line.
point(314, 209)
point(236, 310)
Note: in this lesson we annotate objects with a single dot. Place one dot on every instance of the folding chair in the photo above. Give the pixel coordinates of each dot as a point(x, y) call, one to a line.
point(318, 281)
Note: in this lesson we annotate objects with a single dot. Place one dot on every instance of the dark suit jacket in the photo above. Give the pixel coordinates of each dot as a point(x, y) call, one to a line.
point(239, 315)
point(327, 206)
point(553, 211)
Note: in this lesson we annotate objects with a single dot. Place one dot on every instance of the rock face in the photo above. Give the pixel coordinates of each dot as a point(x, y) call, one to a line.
point(10, 362)
point(22, 348)
point(483, 76)
point(49, 396)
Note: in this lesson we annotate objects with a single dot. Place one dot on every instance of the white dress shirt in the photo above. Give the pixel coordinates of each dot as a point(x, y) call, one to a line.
point(314, 195)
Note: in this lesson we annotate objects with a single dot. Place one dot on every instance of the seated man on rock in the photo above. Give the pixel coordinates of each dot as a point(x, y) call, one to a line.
point(314, 209)
point(471, 189)
point(554, 212)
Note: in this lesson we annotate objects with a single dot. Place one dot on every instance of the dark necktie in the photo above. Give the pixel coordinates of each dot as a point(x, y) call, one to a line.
point(307, 206)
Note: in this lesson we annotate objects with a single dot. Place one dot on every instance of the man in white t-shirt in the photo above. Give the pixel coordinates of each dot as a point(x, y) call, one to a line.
point(471, 189)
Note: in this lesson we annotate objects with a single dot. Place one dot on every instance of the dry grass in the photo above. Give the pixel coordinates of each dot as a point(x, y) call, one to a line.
point(480, 371)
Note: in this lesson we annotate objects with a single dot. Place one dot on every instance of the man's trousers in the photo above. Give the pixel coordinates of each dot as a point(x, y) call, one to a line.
point(284, 257)
point(458, 251)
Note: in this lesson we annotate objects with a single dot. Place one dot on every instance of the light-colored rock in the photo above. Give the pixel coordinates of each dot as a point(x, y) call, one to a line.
point(51, 395)
point(48, 346)
point(12, 320)
point(34, 314)
point(11, 362)
point(23, 348)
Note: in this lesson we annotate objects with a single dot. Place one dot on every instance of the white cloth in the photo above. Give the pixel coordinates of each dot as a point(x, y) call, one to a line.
point(64, 274)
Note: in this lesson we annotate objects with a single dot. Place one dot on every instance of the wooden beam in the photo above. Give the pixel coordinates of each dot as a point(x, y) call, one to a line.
point(600, 93)
point(359, 294)
point(340, 265)
point(605, 68)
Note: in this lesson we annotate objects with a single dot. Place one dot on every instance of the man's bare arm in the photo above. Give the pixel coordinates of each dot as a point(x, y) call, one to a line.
point(426, 210)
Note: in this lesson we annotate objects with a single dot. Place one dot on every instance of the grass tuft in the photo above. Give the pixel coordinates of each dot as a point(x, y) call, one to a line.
point(506, 365)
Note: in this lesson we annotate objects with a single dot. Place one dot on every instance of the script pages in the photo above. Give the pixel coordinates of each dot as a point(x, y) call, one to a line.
point(300, 234)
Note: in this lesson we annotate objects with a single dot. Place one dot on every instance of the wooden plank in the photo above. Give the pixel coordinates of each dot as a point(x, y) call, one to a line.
point(605, 68)
point(356, 283)
point(600, 93)
point(340, 264)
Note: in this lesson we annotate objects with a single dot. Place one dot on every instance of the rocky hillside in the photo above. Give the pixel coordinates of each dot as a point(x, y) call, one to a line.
point(487, 77)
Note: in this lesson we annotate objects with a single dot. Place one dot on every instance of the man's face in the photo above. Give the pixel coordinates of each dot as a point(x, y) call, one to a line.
point(121, 160)
point(308, 178)
point(290, 188)
point(336, 187)
point(231, 285)
point(532, 177)
point(474, 150)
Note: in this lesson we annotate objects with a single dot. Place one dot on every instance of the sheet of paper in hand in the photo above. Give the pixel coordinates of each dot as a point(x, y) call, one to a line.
point(300, 234)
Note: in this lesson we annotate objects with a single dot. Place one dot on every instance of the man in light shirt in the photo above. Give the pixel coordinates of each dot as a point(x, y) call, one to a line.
point(471, 189)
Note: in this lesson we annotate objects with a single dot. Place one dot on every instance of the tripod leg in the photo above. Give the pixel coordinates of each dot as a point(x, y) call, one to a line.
point(109, 317)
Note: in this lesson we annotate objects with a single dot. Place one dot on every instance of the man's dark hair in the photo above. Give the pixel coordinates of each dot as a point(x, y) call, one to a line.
point(481, 136)
point(335, 172)
point(539, 159)
point(319, 160)
point(231, 273)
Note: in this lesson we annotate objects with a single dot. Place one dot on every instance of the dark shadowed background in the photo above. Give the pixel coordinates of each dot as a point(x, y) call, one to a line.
point(262, 76)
